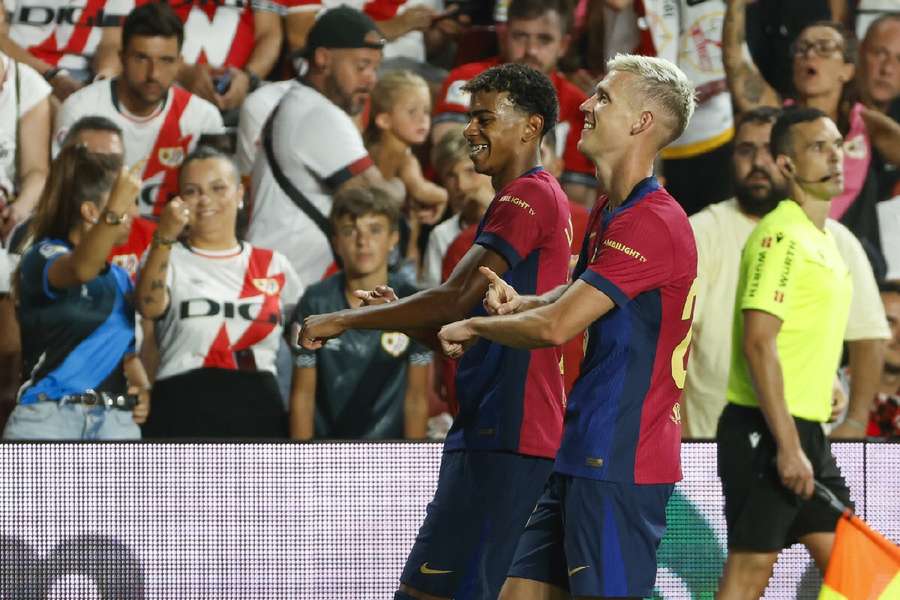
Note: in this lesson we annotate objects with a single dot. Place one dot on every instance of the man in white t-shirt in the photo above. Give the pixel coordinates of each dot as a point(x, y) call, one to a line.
point(161, 123)
point(67, 41)
point(316, 146)
point(25, 114)
point(254, 112)
point(721, 230)
point(10, 345)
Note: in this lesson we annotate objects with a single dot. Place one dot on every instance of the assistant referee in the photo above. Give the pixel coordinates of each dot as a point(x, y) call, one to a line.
point(791, 309)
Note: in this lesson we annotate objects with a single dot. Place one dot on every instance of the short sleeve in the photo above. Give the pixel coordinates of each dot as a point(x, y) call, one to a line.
point(32, 88)
point(419, 355)
point(211, 120)
point(293, 6)
point(248, 133)
point(34, 269)
point(769, 270)
point(867, 319)
point(513, 225)
point(634, 256)
point(303, 358)
point(267, 6)
point(4, 271)
point(325, 141)
point(66, 116)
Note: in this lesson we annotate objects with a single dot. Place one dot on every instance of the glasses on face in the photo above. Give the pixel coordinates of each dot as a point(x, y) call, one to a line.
point(823, 48)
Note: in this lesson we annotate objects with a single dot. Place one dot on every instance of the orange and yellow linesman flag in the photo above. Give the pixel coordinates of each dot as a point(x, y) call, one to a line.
point(864, 564)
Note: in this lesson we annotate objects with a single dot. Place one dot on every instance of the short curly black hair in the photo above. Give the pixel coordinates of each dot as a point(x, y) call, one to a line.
point(529, 89)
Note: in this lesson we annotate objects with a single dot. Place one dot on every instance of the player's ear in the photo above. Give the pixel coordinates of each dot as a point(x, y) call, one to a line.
point(643, 122)
point(534, 128)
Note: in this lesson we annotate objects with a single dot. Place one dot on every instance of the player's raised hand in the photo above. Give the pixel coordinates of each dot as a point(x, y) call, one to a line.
point(456, 338)
point(382, 294)
point(500, 298)
point(318, 329)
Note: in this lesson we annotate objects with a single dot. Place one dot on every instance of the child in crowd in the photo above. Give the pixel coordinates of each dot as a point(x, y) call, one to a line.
point(401, 119)
point(363, 384)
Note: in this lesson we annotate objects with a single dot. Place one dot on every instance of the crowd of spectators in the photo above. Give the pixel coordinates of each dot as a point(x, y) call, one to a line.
point(182, 182)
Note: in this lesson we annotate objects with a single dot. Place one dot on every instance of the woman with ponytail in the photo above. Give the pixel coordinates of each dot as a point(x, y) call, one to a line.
point(75, 309)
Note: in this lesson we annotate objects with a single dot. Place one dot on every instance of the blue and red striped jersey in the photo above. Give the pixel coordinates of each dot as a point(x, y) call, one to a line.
point(623, 419)
point(512, 399)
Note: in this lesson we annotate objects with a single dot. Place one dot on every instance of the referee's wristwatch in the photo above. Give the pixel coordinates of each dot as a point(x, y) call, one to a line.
point(112, 218)
point(51, 73)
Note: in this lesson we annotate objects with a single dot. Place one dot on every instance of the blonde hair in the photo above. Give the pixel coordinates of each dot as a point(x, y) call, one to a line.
point(660, 83)
point(388, 92)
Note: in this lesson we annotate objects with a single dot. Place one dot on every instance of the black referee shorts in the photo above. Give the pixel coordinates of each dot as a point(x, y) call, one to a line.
point(762, 515)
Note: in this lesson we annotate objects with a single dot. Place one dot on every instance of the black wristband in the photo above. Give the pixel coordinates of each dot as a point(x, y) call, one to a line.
point(254, 79)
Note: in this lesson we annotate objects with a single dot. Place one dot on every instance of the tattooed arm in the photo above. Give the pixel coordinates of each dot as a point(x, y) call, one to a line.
point(152, 297)
point(746, 84)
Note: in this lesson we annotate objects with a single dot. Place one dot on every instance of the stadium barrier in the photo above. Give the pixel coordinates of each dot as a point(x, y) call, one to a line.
point(315, 521)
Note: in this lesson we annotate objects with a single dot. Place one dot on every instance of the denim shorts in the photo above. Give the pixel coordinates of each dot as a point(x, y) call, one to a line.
point(55, 421)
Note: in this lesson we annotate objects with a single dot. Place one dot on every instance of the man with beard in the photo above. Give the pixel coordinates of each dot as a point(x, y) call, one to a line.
point(721, 230)
point(311, 148)
point(160, 122)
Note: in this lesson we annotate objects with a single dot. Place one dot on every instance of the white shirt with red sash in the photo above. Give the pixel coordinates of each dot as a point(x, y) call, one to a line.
point(164, 138)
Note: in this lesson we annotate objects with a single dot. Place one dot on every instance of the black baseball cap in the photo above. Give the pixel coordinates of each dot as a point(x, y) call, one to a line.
point(343, 27)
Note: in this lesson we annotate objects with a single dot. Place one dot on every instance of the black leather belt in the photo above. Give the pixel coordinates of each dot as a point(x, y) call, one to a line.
point(105, 399)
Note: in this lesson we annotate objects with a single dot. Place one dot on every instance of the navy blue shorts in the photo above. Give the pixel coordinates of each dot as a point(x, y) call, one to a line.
point(594, 538)
point(466, 544)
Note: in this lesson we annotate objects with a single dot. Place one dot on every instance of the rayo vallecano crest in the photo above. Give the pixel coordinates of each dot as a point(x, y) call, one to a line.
point(267, 285)
point(394, 342)
point(171, 157)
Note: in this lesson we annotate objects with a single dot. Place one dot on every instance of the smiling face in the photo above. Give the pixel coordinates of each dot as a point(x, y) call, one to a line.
point(212, 191)
point(608, 118)
point(494, 132)
point(819, 66)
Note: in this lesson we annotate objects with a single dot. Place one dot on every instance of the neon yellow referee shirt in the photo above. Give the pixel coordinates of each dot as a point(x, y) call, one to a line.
point(792, 269)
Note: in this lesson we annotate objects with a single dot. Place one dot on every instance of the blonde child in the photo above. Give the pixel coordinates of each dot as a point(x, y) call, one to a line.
point(401, 119)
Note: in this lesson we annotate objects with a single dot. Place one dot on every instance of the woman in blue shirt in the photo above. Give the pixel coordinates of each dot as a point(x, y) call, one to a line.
point(75, 310)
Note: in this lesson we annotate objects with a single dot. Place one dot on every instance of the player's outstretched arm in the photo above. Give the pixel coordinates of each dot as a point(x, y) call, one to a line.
point(451, 301)
point(550, 325)
point(503, 299)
